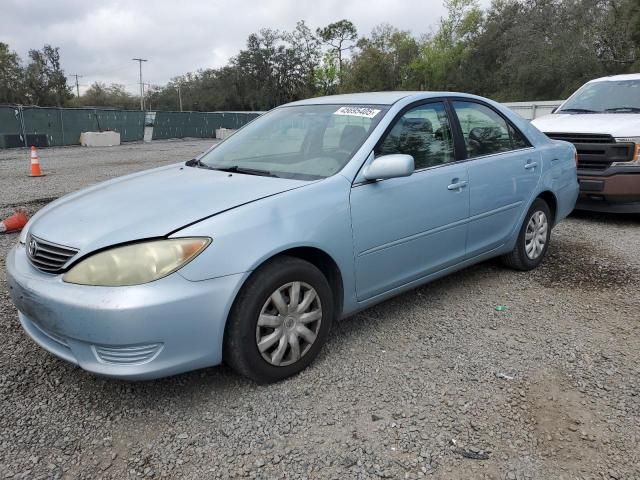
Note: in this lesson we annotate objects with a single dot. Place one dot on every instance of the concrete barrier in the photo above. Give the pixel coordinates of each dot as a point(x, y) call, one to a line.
point(222, 133)
point(99, 139)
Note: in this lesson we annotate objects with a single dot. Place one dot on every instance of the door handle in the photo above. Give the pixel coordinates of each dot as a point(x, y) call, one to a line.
point(457, 185)
point(530, 165)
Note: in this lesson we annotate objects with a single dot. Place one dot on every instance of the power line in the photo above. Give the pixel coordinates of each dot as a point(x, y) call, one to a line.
point(140, 60)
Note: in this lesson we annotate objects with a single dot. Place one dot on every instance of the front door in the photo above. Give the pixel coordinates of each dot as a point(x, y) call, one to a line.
point(406, 228)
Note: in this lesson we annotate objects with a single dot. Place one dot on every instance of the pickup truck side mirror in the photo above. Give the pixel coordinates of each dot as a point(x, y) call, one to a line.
point(389, 166)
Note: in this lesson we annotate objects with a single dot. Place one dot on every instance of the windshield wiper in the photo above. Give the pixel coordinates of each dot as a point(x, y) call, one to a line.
point(623, 109)
point(246, 171)
point(194, 162)
point(578, 110)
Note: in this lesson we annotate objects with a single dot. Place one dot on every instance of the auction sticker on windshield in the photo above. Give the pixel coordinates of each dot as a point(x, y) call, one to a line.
point(357, 112)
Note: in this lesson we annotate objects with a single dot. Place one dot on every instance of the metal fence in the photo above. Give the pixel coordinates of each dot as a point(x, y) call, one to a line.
point(197, 124)
point(531, 110)
point(22, 126)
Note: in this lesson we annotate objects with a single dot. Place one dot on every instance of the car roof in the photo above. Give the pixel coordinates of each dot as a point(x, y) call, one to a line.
point(370, 98)
point(616, 78)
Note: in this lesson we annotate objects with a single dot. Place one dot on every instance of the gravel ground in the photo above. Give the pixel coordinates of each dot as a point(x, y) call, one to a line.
point(434, 383)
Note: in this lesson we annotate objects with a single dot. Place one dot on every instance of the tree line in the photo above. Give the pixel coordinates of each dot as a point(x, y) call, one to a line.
point(513, 50)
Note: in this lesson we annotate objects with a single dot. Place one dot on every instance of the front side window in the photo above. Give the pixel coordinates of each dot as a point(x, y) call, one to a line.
point(485, 132)
point(422, 132)
point(305, 142)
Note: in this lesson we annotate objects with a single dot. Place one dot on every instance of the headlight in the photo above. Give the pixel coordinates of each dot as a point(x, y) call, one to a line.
point(635, 161)
point(137, 263)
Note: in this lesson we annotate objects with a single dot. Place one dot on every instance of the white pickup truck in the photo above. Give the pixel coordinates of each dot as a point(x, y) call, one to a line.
point(602, 120)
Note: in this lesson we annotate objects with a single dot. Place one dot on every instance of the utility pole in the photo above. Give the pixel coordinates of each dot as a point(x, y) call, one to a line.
point(180, 97)
point(148, 94)
point(77, 84)
point(140, 60)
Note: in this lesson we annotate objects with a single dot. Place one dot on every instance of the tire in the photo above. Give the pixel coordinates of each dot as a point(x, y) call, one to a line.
point(277, 358)
point(518, 258)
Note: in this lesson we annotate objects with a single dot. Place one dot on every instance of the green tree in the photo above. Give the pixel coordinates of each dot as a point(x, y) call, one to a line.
point(339, 36)
point(102, 95)
point(617, 36)
point(381, 61)
point(438, 66)
point(46, 84)
point(539, 49)
point(326, 75)
point(306, 46)
point(11, 76)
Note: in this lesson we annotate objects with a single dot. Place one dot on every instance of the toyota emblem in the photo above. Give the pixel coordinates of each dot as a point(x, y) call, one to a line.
point(33, 247)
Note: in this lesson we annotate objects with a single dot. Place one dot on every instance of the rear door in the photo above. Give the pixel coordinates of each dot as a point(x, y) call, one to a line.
point(504, 170)
point(406, 228)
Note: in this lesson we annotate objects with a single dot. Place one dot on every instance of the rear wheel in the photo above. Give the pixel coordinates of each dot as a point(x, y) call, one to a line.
point(279, 321)
point(533, 239)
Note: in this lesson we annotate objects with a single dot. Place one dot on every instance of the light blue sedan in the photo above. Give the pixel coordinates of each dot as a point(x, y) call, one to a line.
point(317, 209)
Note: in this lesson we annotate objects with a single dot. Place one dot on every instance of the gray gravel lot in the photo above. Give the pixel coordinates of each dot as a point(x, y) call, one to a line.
point(434, 383)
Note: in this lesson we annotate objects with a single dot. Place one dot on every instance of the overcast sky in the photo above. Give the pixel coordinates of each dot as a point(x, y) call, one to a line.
point(98, 39)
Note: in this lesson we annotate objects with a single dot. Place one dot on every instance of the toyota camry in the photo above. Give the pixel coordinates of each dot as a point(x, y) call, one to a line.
point(315, 210)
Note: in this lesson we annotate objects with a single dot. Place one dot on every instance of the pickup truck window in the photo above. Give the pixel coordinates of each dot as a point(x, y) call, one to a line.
point(607, 96)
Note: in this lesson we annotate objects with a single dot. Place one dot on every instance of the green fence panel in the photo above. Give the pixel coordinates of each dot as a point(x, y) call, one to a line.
point(10, 127)
point(129, 124)
point(197, 124)
point(49, 127)
point(181, 125)
point(75, 121)
point(43, 126)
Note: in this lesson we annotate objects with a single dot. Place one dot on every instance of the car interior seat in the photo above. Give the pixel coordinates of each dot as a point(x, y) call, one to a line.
point(352, 136)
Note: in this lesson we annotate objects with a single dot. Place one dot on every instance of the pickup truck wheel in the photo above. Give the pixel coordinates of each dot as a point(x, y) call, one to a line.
point(533, 239)
point(279, 321)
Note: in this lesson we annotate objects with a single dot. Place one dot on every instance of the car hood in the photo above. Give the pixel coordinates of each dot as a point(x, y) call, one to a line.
point(148, 204)
point(615, 124)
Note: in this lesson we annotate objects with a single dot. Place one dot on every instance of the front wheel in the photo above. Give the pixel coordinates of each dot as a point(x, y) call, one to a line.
point(279, 321)
point(533, 239)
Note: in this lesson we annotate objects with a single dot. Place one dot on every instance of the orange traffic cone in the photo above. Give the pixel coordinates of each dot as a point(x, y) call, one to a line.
point(15, 222)
point(35, 163)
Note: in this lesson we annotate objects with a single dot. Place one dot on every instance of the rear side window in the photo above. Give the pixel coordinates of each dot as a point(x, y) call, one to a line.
point(422, 132)
point(485, 132)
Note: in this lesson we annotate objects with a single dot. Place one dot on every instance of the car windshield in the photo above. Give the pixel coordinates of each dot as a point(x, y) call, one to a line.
point(304, 142)
point(616, 96)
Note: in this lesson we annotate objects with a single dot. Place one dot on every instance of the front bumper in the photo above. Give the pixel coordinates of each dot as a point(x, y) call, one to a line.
point(617, 191)
point(141, 332)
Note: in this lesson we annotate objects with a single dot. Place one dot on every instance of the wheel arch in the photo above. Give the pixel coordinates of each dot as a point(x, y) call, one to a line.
point(551, 200)
point(329, 268)
point(319, 258)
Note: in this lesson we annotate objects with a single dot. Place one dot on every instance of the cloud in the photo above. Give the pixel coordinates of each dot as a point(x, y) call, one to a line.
point(99, 39)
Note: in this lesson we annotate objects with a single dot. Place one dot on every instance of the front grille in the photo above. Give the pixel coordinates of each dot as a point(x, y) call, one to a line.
point(596, 151)
point(582, 137)
point(131, 355)
point(47, 256)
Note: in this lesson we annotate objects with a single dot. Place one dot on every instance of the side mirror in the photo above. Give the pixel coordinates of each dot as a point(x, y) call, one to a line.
point(389, 166)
